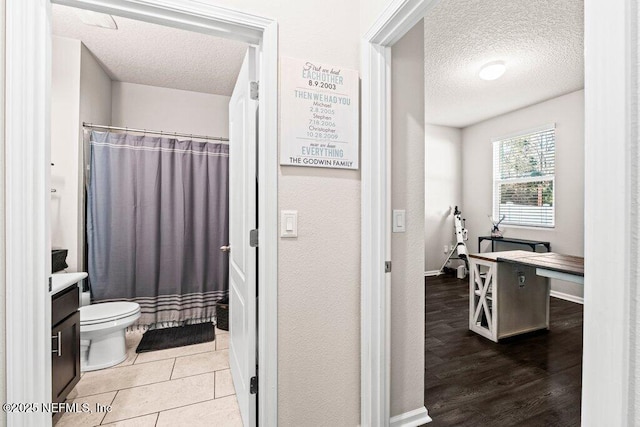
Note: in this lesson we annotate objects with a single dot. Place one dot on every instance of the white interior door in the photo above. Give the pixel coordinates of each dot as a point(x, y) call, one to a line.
point(242, 255)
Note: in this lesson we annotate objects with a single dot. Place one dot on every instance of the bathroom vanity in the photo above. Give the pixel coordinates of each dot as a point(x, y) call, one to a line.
point(65, 334)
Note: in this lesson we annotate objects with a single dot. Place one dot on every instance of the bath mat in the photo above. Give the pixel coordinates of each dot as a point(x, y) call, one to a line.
point(179, 336)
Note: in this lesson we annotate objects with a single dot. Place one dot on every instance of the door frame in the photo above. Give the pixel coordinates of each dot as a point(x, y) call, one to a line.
point(27, 116)
point(610, 315)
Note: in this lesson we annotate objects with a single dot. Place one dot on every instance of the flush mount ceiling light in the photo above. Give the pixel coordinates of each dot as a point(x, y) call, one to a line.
point(96, 19)
point(492, 70)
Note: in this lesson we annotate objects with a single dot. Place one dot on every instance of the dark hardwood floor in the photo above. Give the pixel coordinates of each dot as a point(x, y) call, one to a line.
point(529, 380)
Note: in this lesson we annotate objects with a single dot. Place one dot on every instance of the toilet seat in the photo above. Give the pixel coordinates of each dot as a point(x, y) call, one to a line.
point(102, 333)
point(107, 312)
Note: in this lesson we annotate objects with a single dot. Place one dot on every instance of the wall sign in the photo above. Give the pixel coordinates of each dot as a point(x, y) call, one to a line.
point(319, 115)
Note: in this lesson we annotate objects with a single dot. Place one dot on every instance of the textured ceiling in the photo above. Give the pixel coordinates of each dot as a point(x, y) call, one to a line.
point(540, 41)
point(150, 54)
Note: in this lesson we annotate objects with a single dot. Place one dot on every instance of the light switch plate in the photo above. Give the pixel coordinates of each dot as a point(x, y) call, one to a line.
point(288, 224)
point(399, 221)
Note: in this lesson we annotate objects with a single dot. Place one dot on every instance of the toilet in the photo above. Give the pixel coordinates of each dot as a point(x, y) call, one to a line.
point(102, 333)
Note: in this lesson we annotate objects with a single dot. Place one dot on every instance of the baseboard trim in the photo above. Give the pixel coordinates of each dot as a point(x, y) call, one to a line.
point(567, 297)
point(414, 418)
point(431, 273)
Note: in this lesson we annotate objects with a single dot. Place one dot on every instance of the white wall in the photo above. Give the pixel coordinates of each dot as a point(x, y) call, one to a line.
point(443, 190)
point(80, 91)
point(407, 249)
point(370, 11)
point(635, 326)
point(158, 108)
point(65, 128)
point(3, 389)
point(567, 237)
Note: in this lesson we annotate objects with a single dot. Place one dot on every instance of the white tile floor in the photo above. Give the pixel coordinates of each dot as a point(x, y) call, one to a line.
point(185, 386)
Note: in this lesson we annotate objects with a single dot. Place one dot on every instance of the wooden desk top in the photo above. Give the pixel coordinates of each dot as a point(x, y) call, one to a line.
point(493, 256)
point(548, 260)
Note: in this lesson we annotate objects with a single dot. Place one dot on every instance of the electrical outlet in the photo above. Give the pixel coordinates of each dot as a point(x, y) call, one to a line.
point(446, 249)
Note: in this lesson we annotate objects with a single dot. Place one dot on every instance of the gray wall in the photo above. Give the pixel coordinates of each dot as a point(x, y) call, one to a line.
point(95, 107)
point(95, 90)
point(80, 92)
point(567, 237)
point(407, 249)
point(442, 192)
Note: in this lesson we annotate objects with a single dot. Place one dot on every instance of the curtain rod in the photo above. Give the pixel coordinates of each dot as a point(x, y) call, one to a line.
point(155, 132)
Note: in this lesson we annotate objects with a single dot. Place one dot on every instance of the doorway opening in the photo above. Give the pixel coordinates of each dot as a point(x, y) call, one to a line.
point(610, 86)
point(504, 147)
point(262, 33)
point(149, 221)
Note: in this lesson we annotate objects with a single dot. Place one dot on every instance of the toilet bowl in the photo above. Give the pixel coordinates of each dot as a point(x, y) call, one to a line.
point(102, 333)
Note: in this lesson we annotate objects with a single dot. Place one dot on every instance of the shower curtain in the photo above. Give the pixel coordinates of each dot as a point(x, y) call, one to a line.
point(157, 214)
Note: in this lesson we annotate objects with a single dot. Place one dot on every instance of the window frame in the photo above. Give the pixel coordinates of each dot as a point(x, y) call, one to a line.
point(497, 182)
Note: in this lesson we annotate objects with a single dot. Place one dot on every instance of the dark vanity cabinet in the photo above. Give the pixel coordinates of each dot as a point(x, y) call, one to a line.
point(65, 342)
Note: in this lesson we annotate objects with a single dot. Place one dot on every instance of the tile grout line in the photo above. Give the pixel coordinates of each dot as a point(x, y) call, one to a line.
point(172, 369)
point(167, 358)
point(111, 391)
point(226, 395)
point(168, 409)
point(114, 368)
point(131, 418)
point(190, 404)
point(110, 404)
point(202, 373)
point(141, 385)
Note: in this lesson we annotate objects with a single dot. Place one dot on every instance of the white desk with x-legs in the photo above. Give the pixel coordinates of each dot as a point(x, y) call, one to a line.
point(509, 291)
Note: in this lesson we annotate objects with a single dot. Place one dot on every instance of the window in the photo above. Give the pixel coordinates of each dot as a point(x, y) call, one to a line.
point(523, 178)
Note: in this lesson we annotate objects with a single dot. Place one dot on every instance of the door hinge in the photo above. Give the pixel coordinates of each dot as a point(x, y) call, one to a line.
point(253, 238)
point(253, 385)
point(50, 284)
point(254, 90)
point(387, 266)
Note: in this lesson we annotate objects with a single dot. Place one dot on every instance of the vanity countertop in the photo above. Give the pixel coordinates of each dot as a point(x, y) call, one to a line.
point(61, 281)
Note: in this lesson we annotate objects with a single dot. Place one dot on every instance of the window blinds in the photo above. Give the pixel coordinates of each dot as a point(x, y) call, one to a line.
point(523, 177)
